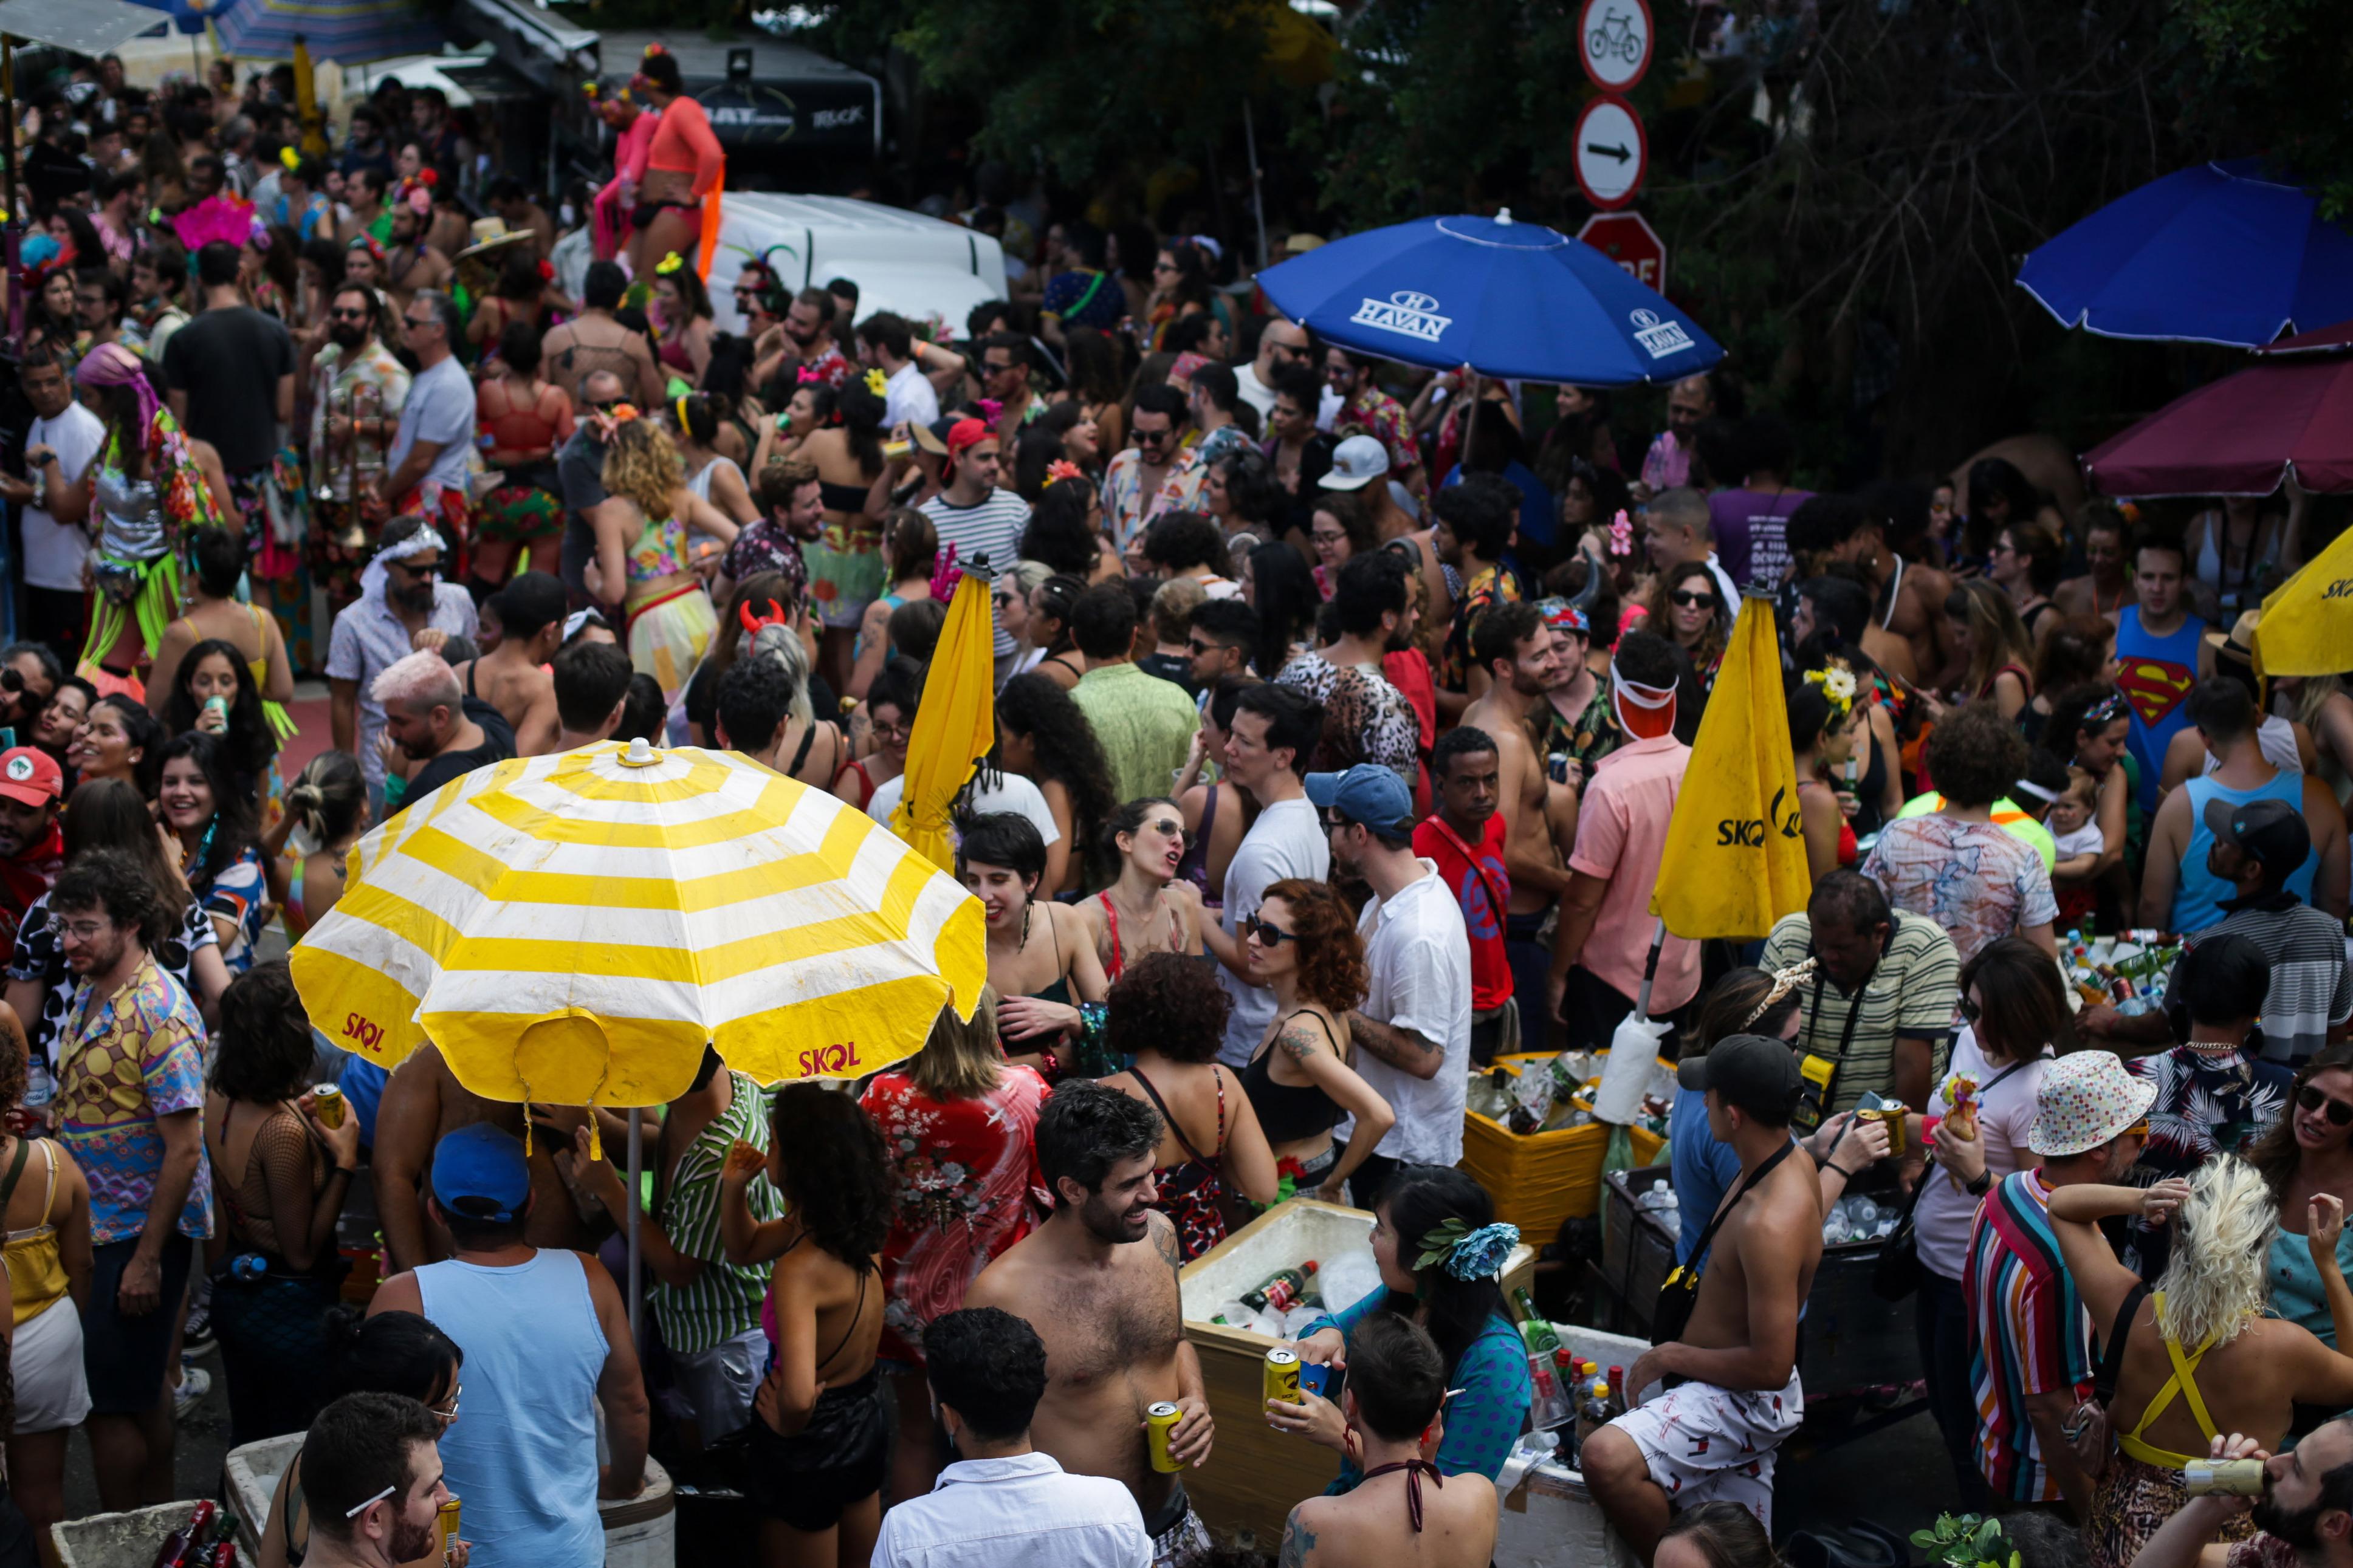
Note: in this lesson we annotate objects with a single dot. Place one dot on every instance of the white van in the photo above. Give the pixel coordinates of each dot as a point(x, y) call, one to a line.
point(901, 261)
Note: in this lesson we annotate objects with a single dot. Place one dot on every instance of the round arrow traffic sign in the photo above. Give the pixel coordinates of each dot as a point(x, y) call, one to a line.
point(1612, 153)
point(1614, 41)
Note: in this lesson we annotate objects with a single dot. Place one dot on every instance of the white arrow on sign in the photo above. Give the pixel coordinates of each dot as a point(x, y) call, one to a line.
point(1612, 153)
point(1614, 39)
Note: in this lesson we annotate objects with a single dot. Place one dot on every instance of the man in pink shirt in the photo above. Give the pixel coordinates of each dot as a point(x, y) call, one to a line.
point(1606, 924)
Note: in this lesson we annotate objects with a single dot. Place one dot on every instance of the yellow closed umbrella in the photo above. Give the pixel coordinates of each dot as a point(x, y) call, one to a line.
point(574, 928)
point(2306, 627)
point(956, 723)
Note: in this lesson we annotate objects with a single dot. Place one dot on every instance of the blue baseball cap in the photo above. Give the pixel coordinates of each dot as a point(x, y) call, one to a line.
point(479, 1172)
point(1367, 794)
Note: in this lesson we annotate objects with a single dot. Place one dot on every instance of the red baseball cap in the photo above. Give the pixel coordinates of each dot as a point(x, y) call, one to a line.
point(30, 776)
point(967, 434)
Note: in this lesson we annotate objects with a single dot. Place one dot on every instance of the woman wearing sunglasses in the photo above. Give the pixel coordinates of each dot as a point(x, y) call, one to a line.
point(1687, 603)
point(1302, 945)
point(392, 1353)
point(1149, 908)
point(2308, 1154)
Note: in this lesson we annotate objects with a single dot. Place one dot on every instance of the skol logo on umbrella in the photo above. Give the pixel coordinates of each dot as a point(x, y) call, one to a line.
point(2155, 687)
point(1406, 313)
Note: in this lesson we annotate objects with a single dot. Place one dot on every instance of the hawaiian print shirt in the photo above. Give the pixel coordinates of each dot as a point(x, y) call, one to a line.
point(387, 381)
point(1125, 506)
point(1375, 413)
point(126, 1060)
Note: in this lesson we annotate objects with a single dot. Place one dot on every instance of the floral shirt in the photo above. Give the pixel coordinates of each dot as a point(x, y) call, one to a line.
point(1496, 586)
point(1376, 413)
point(1366, 718)
point(126, 1060)
point(1126, 509)
point(968, 1188)
point(764, 546)
point(238, 895)
point(337, 390)
point(2209, 1103)
point(37, 957)
point(830, 367)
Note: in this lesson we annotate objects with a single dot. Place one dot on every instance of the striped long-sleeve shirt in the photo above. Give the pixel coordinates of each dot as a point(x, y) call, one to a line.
point(2028, 1333)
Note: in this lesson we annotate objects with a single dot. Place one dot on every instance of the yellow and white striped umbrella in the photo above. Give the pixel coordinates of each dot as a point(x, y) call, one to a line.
point(573, 930)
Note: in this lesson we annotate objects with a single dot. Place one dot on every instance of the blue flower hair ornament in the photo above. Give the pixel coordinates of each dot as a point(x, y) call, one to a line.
point(1464, 1253)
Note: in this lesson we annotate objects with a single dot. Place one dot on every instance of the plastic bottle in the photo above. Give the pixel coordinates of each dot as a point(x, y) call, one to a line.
point(1660, 1197)
point(1549, 1404)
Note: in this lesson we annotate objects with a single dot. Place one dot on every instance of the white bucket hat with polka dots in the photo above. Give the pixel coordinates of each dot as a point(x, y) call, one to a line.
point(2084, 1101)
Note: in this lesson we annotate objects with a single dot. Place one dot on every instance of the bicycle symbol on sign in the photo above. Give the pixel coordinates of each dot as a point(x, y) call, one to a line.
point(1615, 36)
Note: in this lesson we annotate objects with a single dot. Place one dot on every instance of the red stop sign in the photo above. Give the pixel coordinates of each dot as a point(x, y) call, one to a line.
point(1628, 239)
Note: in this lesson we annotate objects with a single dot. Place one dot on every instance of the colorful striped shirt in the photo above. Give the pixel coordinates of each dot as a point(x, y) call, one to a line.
point(724, 1300)
point(2028, 1333)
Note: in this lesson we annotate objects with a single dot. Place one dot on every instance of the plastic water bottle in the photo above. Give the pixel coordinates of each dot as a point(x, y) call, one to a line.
point(1549, 1405)
point(1660, 1197)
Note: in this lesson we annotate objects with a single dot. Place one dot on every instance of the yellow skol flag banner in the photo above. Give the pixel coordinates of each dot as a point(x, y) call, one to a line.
point(2307, 621)
point(1736, 856)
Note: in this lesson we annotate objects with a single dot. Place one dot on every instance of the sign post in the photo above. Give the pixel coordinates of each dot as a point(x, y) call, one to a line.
point(1628, 239)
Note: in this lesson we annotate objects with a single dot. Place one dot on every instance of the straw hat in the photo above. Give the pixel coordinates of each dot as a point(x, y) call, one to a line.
point(492, 234)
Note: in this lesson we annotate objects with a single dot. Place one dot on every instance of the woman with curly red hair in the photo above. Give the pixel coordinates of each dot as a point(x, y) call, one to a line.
point(1167, 1012)
point(1302, 945)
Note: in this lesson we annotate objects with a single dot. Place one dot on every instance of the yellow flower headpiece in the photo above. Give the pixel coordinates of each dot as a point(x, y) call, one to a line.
point(1837, 683)
point(878, 383)
point(289, 158)
point(670, 264)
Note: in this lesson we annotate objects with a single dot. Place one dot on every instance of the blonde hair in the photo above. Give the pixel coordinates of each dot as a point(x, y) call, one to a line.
point(2213, 1284)
point(1997, 636)
point(643, 467)
point(960, 1060)
point(417, 681)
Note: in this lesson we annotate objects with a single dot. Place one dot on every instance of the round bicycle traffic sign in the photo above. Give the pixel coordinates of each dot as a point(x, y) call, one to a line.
point(1613, 153)
point(1614, 39)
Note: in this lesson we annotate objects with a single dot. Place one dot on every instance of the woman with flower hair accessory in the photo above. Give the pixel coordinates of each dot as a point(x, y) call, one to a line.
point(1441, 1255)
point(680, 316)
point(1825, 724)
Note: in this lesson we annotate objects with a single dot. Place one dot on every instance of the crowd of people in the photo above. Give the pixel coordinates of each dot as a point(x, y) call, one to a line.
point(1338, 738)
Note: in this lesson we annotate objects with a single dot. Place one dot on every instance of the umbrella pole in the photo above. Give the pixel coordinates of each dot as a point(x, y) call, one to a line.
point(636, 1257)
point(1258, 200)
point(1650, 972)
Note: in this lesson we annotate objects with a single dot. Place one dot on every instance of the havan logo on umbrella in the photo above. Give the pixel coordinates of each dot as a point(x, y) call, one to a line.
point(1661, 338)
point(1406, 313)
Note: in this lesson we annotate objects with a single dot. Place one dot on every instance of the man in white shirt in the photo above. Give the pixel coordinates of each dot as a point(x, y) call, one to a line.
point(1678, 528)
point(1002, 1501)
point(63, 438)
point(1275, 730)
point(1412, 1033)
point(887, 343)
point(1282, 346)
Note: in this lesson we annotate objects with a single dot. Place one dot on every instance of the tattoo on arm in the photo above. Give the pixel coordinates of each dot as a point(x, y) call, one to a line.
point(1295, 1043)
point(1398, 1048)
point(1298, 1540)
point(1164, 1237)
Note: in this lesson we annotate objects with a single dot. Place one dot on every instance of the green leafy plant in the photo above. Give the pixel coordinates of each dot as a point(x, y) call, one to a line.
point(1967, 1541)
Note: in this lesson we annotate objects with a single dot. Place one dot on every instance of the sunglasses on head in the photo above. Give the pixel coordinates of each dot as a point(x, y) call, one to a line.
point(1267, 935)
point(2340, 1113)
point(1685, 600)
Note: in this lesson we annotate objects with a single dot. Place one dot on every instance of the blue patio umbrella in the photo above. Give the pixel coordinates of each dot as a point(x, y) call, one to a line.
point(348, 32)
point(2221, 253)
point(1513, 300)
point(189, 16)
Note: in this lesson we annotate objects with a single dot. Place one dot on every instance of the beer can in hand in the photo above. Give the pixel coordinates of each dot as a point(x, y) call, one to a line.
point(1160, 1419)
point(448, 1523)
point(327, 1104)
point(1281, 1381)
point(2223, 1478)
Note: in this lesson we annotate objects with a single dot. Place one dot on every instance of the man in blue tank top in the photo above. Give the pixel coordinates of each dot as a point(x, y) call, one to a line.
point(547, 1342)
point(2161, 653)
point(2181, 890)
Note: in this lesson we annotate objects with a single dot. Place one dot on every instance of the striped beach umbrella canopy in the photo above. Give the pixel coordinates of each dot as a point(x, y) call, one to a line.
point(348, 32)
point(574, 928)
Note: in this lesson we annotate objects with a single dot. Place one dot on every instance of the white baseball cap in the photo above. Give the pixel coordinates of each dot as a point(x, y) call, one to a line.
point(1356, 463)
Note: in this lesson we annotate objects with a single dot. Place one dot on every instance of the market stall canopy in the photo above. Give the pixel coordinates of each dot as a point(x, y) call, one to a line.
point(576, 928)
point(1513, 300)
point(90, 27)
point(2240, 435)
point(345, 31)
point(2221, 253)
point(763, 92)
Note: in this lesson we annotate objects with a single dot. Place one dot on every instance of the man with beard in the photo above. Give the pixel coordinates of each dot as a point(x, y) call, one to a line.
point(794, 504)
point(351, 428)
point(372, 1475)
point(130, 1096)
point(1514, 646)
point(403, 605)
point(2303, 1515)
point(411, 261)
point(443, 734)
point(31, 847)
point(427, 459)
point(1412, 1031)
point(1108, 1312)
point(808, 322)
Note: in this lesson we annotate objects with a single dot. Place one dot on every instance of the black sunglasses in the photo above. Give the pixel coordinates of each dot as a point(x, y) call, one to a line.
point(1686, 601)
point(1275, 936)
point(2340, 1113)
point(1970, 1011)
